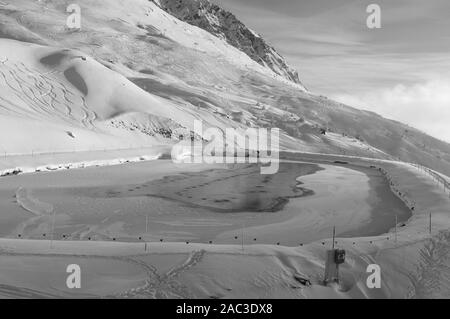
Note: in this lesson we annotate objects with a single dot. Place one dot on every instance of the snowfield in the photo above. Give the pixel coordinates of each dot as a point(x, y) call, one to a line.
point(89, 117)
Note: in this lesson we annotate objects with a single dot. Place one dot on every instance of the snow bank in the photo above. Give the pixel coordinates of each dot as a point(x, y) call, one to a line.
point(14, 165)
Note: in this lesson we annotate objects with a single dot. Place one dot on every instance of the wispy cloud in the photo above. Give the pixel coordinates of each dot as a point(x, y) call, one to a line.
point(425, 105)
point(337, 55)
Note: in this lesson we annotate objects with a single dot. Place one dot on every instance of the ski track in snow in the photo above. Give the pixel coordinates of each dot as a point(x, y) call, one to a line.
point(166, 285)
point(31, 204)
point(433, 273)
point(156, 285)
point(42, 94)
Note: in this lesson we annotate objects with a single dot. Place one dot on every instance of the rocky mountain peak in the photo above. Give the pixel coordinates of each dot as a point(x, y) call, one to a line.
point(223, 24)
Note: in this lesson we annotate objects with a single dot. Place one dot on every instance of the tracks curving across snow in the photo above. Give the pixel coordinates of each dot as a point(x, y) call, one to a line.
point(31, 204)
point(166, 285)
point(41, 95)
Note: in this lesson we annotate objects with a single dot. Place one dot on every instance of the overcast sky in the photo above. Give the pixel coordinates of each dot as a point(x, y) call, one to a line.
point(401, 71)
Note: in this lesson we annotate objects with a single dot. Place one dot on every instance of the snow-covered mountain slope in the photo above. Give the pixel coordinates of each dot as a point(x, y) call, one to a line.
point(136, 75)
point(225, 25)
point(59, 100)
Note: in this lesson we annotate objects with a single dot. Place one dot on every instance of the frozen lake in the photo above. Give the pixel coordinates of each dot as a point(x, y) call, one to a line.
point(158, 200)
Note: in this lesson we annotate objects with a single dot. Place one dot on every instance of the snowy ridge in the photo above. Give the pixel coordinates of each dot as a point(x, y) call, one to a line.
point(225, 25)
